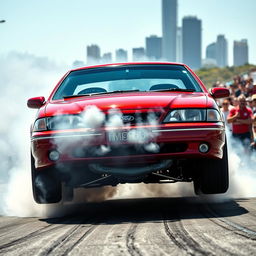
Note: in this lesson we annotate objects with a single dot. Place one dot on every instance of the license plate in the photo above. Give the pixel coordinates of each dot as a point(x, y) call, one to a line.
point(117, 136)
point(132, 136)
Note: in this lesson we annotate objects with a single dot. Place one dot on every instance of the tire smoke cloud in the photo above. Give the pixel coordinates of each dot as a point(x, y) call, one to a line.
point(242, 180)
point(23, 76)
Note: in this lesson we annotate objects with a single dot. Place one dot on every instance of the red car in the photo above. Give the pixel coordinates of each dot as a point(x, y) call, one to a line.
point(128, 123)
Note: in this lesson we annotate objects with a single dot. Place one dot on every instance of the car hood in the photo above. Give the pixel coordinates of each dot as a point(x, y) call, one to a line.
point(130, 101)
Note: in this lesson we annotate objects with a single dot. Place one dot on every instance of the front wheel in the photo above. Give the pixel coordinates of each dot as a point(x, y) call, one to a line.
point(212, 175)
point(46, 187)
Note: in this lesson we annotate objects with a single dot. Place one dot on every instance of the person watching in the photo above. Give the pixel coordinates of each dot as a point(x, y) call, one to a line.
point(254, 118)
point(254, 103)
point(241, 119)
point(225, 110)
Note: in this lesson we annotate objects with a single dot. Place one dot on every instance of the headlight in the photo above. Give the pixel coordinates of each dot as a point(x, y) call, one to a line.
point(60, 122)
point(193, 115)
point(40, 125)
point(63, 122)
point(213, 115)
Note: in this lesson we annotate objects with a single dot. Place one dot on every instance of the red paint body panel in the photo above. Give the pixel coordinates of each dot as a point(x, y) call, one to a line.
point(41, 147)
point(187, 135)
point(140, 100)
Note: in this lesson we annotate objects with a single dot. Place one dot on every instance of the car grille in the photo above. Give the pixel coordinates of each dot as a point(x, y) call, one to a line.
point(124, 150)
point(138, 118)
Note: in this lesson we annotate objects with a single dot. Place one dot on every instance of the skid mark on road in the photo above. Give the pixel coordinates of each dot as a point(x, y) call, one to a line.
point(40, 232)
point(181, 238)
point(48, 230)
point(5, 229)
point(130, 239)
point(153, 227)
point(227, 224)
point(67, 242)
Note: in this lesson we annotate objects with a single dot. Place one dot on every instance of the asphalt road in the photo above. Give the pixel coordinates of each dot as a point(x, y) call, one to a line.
point(150, 226)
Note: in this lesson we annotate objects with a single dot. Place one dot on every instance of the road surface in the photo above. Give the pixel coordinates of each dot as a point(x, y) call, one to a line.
point(150, 226)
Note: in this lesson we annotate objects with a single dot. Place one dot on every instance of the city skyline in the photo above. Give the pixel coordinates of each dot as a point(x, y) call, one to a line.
point(66, 30)
point(184, 43)
point(180, 44)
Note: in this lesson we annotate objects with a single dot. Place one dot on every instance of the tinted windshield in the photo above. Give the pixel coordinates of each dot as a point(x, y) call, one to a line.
point(126, 78)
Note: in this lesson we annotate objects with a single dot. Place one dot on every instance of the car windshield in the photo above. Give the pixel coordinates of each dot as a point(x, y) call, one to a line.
point(126, 78)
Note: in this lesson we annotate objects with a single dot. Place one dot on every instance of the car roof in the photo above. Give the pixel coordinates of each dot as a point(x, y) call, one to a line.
point(128, 64)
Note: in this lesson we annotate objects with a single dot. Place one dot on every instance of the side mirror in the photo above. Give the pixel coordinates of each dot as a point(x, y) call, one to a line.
point(219, 92)
point(36, 102)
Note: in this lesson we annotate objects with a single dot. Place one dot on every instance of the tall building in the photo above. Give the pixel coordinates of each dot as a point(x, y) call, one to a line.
point(154, 47)
point(179, 45)
point(221, 51)
point(121, 55)
point(211, 51)
point(240, 52)
point(169, 29)
point(106, 58)
point(78, 64)
point(138, 54)
point(93, 54)
point(192, 41)
point(210, 56)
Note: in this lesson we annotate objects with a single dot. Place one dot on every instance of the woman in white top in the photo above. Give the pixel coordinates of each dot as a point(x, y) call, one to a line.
point(226, 107)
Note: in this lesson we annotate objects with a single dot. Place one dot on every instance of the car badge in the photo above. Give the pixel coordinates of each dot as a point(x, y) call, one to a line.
point(128, 118)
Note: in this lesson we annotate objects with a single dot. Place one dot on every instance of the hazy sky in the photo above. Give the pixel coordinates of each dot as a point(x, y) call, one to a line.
point(61, 29)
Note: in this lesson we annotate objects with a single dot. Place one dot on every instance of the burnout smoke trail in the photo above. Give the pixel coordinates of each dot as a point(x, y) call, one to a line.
point(24, 76)
point(242, 180)
point(242, 170)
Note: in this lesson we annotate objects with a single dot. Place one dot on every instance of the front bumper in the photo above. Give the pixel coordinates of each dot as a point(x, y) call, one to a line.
point(169, 141)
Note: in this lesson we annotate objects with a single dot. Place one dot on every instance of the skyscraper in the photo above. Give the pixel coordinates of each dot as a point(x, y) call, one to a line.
point(138, 54)
point(211, 51)
point(221, 51)
point(210, 56)
point(93, 54)
point(169, 29)
point(192, 41)
point(154, 47)
point(179, 45)
point(240, 52)
point(106, 58)
point(121, 55)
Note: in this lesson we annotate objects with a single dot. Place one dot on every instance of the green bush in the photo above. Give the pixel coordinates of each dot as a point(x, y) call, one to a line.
point(210, 76)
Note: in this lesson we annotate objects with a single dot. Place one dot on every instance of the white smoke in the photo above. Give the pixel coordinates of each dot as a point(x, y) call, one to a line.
point(152, 147)
point(242, 179)
point(140, 137)
point(24, 76)
point(115, 118)
point(242, 171)
point(93, 117)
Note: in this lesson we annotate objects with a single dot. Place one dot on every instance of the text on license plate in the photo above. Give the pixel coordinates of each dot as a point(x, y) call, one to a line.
point(132, 136)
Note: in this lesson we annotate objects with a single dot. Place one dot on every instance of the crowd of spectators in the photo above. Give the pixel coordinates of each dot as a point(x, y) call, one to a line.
point(239, 110)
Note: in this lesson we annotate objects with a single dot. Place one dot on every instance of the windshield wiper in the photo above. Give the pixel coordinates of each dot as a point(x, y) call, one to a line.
point(173, 90)
point(99, 93)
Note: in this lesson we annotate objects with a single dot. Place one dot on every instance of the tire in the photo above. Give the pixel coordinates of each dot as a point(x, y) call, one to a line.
point(46, 187)
point(212, 175)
